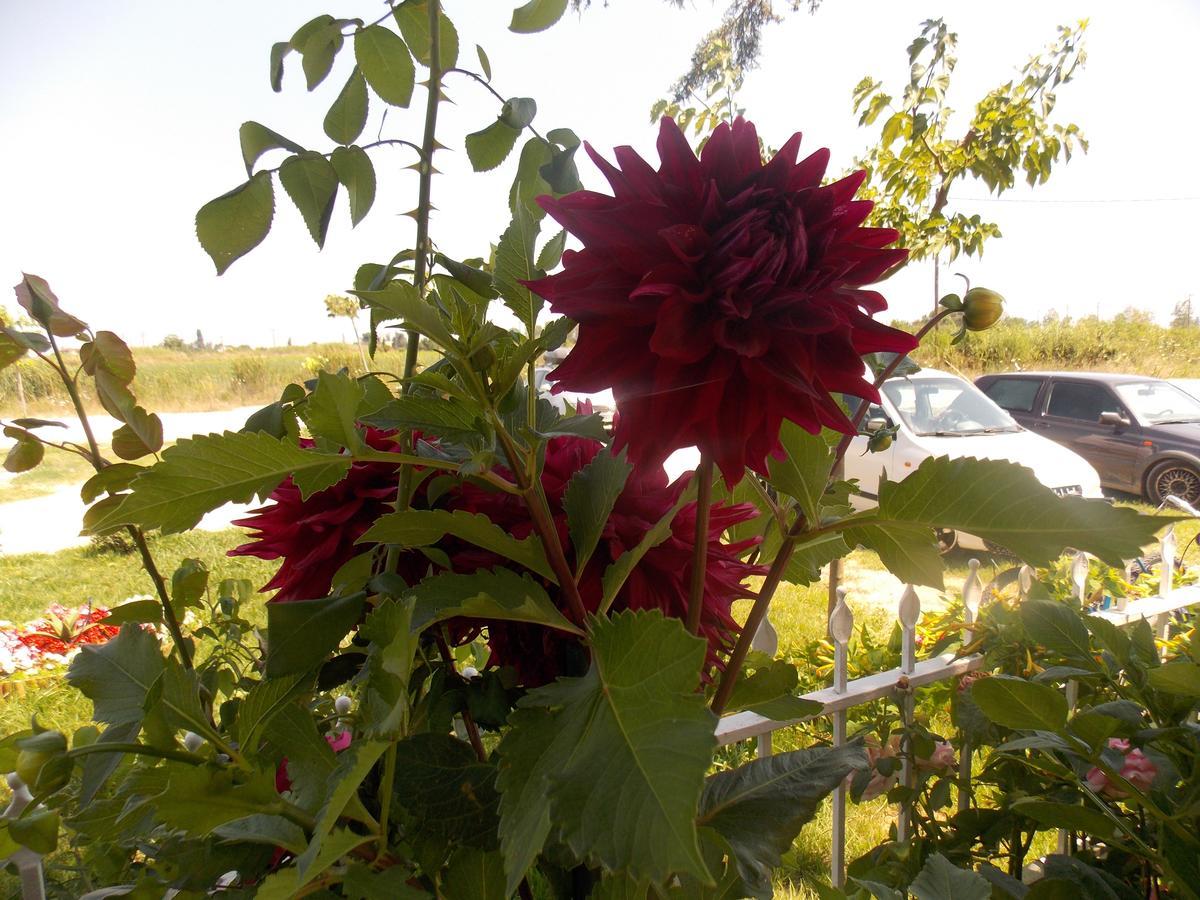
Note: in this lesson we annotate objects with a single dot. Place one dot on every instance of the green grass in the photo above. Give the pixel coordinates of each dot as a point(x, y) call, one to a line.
point(57, 469)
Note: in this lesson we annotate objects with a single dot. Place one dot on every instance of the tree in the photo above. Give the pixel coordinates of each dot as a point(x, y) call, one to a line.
point(1181, 315)
point(338, 306)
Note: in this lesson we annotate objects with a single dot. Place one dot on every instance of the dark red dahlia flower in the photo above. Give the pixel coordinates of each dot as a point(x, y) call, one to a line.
point(315, 537)
point(718, 296)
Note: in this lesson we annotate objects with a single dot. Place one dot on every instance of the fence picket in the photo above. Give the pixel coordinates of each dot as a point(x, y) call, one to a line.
point(27, 863)
point(972, 595)
point(909, 613)
point(841, 627)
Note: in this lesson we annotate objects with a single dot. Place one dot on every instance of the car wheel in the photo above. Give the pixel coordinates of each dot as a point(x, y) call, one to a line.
point(1173, 478)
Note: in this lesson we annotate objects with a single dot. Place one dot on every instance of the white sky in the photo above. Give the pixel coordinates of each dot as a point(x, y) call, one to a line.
point(120, 120)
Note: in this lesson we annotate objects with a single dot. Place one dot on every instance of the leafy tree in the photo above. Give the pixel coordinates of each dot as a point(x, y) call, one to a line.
point(341, 307)
point(1181, 315)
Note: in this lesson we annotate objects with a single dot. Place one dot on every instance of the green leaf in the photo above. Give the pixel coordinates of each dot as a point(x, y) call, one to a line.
point(518, 112)
point(1181, 678)
point(286, 883)
point(261, 704)
point(36, 829)
point(1015, 703)
point(385, 62)
point(118, 674)
point(109, 352)
point(331, 411)
point(484, 63)
point(279, 50)
point(499, 594)
point(454, 420)
point(260, 828)
point(614, 759)
point(804, 471)
point(1067, 815)
point(318, 52)
point(446, 789)
point(356, 174)
point(189, 582)
point(760, 807)
point(200, 798)
point(301, 633)
point(135, 612)
point(770, 691)
point(257, 139)
point(529, 184)
point(310, 760)
point(1057, 627)
point(235, 223)
point(413, 18)
point(11, 349)
point(488, 148)
point(24, 455)
point(616, 574)
point(346, 117)
point(514, 264)
point(589, 499)
point(35, 297)
point(364, 883)
point(111, 479)
point(141, 435)
point(473, 874)
point(1003, 502)
point(422, 528)
point(201, 473)
point(311, 182)
point(537, 15)
point(940, 879)
point(401, 301)
point(353, 765)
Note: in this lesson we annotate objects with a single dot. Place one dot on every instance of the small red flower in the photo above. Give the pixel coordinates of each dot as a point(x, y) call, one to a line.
point(718, 296)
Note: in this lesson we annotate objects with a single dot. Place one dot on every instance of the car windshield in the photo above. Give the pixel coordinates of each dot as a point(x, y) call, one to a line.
point(946, 406)
point(1159, 403)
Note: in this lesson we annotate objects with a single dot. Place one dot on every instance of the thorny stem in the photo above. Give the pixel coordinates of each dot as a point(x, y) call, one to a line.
point(762, 600)
point(704, 472)
point(139, 539)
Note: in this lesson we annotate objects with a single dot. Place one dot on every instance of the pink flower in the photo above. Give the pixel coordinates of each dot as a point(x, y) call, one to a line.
point(965, 682)
point(338, 742)
point(1136, 768)
point(880, 784)
point(942, 759)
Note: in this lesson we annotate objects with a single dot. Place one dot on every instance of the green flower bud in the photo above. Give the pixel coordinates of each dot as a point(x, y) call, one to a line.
point(981, 309)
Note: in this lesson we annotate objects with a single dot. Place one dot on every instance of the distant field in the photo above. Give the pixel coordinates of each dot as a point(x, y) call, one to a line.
point(178, 380)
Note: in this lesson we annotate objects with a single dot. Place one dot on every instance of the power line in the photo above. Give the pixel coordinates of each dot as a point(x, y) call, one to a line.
point(1077, 201)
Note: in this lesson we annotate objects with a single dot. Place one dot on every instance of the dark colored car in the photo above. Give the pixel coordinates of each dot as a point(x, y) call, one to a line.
point(1141, 434)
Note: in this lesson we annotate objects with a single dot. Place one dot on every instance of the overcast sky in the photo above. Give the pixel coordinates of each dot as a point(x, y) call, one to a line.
point(120, 120)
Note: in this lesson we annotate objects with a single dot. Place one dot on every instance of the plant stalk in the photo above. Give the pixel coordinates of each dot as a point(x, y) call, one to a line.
point(695, 608)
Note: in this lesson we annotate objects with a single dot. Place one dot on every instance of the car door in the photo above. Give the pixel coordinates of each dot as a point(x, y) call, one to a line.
point(1017, 395)
point(1071, 416)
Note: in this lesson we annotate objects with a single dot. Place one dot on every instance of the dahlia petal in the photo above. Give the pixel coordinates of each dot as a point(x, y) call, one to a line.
point(684, 332)
point(678, 162)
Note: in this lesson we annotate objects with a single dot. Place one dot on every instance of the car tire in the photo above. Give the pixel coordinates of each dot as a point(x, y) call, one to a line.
point(1173, 476)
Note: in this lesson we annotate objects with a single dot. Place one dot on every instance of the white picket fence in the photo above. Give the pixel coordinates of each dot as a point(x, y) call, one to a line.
point(900, 682)
point(843, 695)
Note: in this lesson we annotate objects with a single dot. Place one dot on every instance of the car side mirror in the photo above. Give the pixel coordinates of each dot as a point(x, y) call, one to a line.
point(876, 423)
point(1115, 419)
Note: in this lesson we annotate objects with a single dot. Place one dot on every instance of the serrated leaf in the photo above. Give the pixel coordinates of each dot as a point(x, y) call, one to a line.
point(529, 184)
point(331, 411)
point(318, 51)
point(353, 765)
point(400, 300)
point(518, 112)
point(287, 883)
point(514, 264)
point(310, 759)
point(499, 594)
point(301, 633)
point(906, 549)
point(560, 172)
point(1181, 678)
point(616, 574)
point(279, 50)
point(473, 874)
point(311, 182)
point(118, 674)
point(386, 64)
point(488, 148)
point(759, 808)
point(261, 704)
point(552, 251)
point(804, 470)
point(446, 789)
point(454, 420)
point(135, 612)
point(413, 18)
point(346, 117)
point(422, 528)
point(109, 352)
point(35, 297)
point(537, 15)
point(260, 828)
point(199, 798)
point(614, 759)
point(116, 477)
point(24, 455)
point(1066, 815)
point(770, 691)
point(1057, 627)
point(1015, 703)
point(11, 349)
point(232, 225)
point(257, 139)
point(940, 879)
point(484, 63)
point(141, 435)
point(201, 473)
point(589, 499)
point(356, 173)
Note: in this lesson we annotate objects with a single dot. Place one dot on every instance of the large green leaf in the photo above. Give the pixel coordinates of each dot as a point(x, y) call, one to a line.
point(940, 879)
point(614, 760)
point(11, 349)
point(200, 798)
point(312, 184)
point(118, 674)
point(1003, 502)
point(529, 184)
point(804, 470)
point(36, 298)
point(455, 420)
point(473, 874)
point(446, 789)
point(421, 528)
point(385, 62)
point(261, 828)
point(287, 882)
point(331, 411)
point(1067, 815)
point(400, 300)
point(318, 50)
point(1015, 703)
point(257, 139)
point(514, 264)
point(413, 18)
point(201, 473)
point(310, 760)
point(770, 691)
point(301, 633)
point(760, 807)
point(346, 117)
point(353, 765)
point(537, 15)
point(232, 225)
point(490, 146)
point(1181, 677)
point(356, 173)
point(1057, 627)
point(261, 704)
point(589, 499)
point(499, 594)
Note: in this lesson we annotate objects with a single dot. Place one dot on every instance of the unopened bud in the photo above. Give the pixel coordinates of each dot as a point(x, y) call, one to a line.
point(192, 741)
point(470, 672)
point(981, 309)
point(342, 705)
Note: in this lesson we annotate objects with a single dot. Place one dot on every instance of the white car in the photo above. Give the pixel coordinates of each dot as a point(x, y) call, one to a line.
point(940, 414)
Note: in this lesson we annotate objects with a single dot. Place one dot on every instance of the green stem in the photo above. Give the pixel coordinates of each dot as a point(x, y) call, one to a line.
point(139, 538)
point(138, 750)
point(385, 795)
point(695, 608)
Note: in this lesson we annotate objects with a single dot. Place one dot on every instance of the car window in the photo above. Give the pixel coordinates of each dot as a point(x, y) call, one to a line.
point(1013, 394)
point(1073, 400)
point(946, 406)
point(1158, 403)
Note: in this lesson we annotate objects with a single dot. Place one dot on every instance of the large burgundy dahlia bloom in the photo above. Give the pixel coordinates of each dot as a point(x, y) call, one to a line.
point(718, 296)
